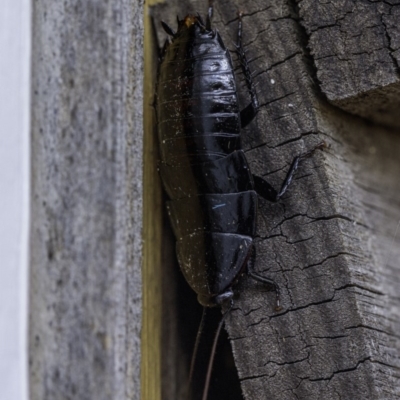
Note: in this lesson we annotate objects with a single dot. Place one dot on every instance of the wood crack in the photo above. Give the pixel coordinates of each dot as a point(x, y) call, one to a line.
point(341, 371)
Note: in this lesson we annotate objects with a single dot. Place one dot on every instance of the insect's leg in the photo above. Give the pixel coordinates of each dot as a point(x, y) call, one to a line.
point(209, 14)
point(168, 30)
point(265, 190)
point(266, 281)
point(214, 347)
point(154, 38)
point(247, 114)
point(195, 349)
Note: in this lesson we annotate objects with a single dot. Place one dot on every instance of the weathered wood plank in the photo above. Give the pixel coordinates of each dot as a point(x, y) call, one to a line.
point(355, 48)
point(330, 243)
point(87, 102)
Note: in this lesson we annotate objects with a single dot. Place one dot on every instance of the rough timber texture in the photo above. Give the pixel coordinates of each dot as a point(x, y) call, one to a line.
point(331, 243)
point(355, 47)
point(85, 298)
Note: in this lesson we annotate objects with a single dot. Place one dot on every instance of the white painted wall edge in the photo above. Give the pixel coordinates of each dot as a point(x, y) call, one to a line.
point(15, 69)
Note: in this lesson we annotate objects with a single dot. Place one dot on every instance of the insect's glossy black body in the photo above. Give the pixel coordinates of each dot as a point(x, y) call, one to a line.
point(213, 195)
point(205, 172)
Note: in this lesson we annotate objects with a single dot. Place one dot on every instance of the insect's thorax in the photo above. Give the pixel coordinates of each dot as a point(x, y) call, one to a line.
point(197, 96)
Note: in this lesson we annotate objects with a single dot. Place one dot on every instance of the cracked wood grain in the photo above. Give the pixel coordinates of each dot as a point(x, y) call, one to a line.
point(355, 49)
point(86, 207)
point(331, 243)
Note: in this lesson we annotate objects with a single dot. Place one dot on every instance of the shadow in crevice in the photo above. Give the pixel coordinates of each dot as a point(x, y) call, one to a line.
point(181, 319)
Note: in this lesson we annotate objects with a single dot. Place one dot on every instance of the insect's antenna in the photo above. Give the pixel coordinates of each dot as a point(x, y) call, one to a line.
point(168, 29)
point(209, 14)
point(200, 19)
point(195, 349)
point(210, 363)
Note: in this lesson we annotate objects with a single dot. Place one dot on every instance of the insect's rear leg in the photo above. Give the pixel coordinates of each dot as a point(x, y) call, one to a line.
point(265, 190)
point(247, 114)
point(266, 281)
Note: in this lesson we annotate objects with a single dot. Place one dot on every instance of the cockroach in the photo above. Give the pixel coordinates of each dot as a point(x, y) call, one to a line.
point(213, 194)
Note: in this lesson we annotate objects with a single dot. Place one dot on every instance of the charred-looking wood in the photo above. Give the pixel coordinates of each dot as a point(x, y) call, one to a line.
point(213, 194)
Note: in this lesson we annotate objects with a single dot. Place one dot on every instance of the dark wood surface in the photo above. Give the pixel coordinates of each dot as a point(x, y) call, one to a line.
point(355, 48)
point(331, 243)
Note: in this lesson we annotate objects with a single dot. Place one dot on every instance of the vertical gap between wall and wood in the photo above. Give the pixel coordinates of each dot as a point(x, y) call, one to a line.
point(152, 231)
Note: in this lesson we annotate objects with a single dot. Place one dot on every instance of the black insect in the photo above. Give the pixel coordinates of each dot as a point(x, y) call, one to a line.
point(213, 194)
